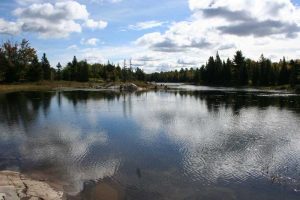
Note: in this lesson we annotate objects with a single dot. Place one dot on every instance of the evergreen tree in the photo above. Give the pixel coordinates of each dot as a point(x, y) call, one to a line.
point(46, 68)
point(210, 70)
point(34, 71)
point(284, 73)
point(74, 69)
point(83, 71)
point(227, 72)
point(293, 74)
point(239, 69)
point(217, 79)
point(140, 75)
point(256, 74)
point(58, 74)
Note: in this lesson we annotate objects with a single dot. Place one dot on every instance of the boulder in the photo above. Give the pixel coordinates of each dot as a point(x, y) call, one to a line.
point(129, 87)
point(15, 186)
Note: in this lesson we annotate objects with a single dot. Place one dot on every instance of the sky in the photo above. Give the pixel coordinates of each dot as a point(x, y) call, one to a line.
point(156, 35)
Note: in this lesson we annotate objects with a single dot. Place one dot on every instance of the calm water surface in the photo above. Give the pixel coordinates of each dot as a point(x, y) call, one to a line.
point(192, 143)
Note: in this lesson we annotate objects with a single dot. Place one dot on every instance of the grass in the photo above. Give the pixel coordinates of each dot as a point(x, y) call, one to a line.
point(54, 85)
point(43, 85)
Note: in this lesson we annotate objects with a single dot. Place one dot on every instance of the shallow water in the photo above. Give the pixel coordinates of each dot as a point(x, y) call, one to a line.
point(199, 143)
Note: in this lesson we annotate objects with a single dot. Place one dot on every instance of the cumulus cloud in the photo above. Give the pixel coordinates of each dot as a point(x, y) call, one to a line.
point(105, 1)
point(258, 18)
point(10, 28)
point(52, 20)
point(270, 27)
point(55, 20)
point(186, 62)
point(228, 25)
point(146, 25)
point(25, 2)
point(90, 42)
point(68, 10)
point(261, 29)
point(177, 39)
point(90, 23)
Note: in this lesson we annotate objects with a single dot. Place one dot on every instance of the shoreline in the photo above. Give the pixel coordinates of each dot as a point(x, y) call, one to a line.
point(58, 85)
point(120, 86)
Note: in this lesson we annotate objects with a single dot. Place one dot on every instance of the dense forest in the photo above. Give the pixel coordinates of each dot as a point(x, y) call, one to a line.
point(19, 63)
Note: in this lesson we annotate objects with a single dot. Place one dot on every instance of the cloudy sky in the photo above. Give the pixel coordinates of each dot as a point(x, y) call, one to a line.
point(157, 35)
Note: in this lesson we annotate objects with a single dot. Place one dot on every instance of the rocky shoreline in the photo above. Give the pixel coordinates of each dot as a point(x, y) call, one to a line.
point(16, 186)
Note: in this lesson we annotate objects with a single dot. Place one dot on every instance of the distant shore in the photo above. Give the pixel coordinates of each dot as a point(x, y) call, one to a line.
point(132, 86)
point(57, 85)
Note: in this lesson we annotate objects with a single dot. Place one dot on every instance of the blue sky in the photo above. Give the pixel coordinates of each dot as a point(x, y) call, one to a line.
point(156, 35)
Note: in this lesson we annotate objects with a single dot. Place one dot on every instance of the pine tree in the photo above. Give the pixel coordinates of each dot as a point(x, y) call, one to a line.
point(227, 72)
point(256, 74)
point(74, 69)
point(240, 73)
point(58, 75)
point(83, 71)
point(293, 74)
point(210, 70)
point(46, 68)
point(283, 74)
point(34, 71)
point(218, 70)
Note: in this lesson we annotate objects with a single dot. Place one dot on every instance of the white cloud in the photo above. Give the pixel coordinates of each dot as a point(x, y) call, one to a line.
point(72, 47)
point(225, 26)
point(146, 25)
point(68, 10)
point(10, 28)
point(26, 2)
point(90, 23)
point(105, 1)
point(50, 20)
point(91, 41)
point(270, 27)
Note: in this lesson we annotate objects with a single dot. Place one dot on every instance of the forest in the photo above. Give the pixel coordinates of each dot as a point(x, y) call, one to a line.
point(19, 63)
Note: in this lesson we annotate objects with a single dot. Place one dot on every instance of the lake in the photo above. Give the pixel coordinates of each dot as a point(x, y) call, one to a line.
point(188, 142)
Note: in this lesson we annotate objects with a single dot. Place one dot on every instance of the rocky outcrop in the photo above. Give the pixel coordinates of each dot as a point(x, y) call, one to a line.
point(15, 186)
point(129, 87)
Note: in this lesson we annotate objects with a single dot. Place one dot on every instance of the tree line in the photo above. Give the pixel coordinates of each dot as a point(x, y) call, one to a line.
point(239, 71)
point(19, 63)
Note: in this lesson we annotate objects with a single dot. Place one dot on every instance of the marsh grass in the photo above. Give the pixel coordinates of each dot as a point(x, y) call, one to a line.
point(54, 85)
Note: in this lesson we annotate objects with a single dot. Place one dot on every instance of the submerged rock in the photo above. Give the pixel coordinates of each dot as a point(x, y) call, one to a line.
point(15, 186)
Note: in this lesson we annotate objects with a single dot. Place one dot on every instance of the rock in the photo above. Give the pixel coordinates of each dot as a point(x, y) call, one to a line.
point(2, 196)
point(129, 87)
point(15, 186)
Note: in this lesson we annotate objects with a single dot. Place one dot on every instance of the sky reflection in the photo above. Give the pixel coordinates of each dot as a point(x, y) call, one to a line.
point(176, 139)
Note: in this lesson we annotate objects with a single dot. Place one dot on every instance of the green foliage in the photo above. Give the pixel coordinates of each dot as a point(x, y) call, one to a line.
point(34, 71)
point(46, 68)
point(237, 72)
point(58, 72)
point(19, 62)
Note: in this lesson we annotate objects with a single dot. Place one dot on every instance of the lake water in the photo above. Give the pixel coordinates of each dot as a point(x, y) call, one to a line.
point(186, 143)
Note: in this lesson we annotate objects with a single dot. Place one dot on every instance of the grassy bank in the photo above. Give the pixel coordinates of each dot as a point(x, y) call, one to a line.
point(44, 85)
point(54, 85)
